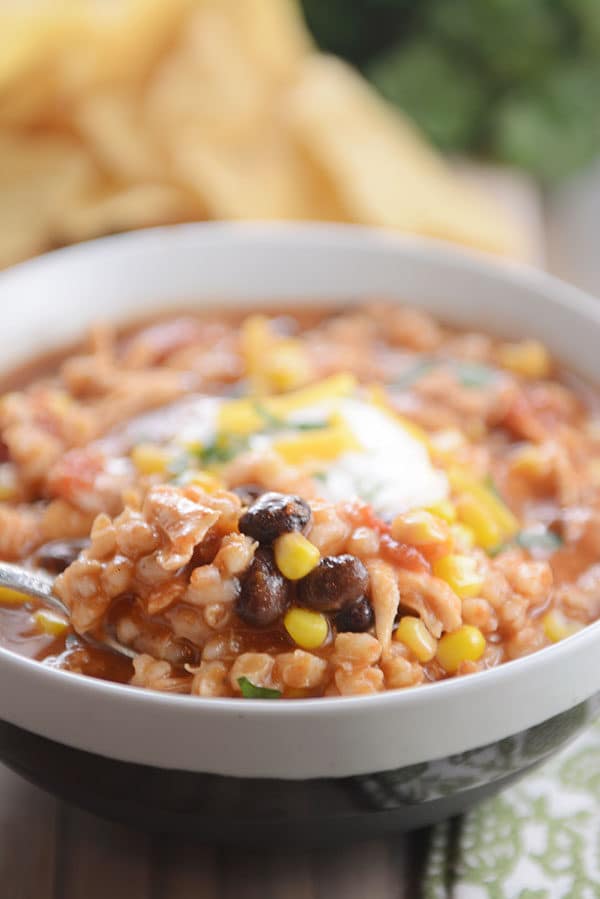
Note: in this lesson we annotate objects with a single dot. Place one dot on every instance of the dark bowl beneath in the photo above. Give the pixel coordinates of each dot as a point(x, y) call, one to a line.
point(264, 812)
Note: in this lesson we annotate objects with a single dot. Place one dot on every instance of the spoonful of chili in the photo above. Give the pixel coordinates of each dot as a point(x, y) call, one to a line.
point(40, 585)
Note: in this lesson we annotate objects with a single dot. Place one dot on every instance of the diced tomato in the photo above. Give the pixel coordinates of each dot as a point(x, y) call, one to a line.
point(160, 340)
point(521, 420)
point(76, 471)
point(402, 554)
point(361, 514)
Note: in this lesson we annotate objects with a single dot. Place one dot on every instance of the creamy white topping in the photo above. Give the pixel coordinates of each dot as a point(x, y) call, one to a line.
point(392, 470)
point(393, 473)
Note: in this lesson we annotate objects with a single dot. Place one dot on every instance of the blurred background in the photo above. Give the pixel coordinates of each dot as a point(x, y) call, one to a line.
point(474, 121)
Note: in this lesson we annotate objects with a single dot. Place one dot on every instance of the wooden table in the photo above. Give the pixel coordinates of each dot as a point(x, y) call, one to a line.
point(51, 851)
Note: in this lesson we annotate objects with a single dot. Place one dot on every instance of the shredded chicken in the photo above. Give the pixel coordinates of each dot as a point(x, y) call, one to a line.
point(432, 599)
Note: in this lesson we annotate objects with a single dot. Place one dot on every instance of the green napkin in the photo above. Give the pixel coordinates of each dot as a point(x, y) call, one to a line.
point(539, 839)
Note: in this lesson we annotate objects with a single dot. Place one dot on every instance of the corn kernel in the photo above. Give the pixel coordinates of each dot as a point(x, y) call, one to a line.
point(322, 445)
point(461, 573)
point(256, 337)
point(485, 529)
point(60, 402)
point(331, 388)
point(475, 430)
point(418, 528)
point(10, 597)
point(377, 396)
point(287, 366)
point(530, 460)
point(242, 416)
point(446, 443)
point(462, 482)
point(307, 629)
point(529, 358)
point(239, 417)
point(445, 509)
point(208, 482)
point(150, 459)
point(8, 481)
point(412, 632)
point(50, 623)
point(467, 644)
point(462, 537)
point(295, 555)
point(272, 362)
point(557, 626)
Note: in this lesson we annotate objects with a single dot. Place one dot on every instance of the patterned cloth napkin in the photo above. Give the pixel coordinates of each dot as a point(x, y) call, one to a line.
point(539, 839)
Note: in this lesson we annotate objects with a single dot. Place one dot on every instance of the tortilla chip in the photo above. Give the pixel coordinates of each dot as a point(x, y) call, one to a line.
point(140, 206)
point(384, 172)
point(39, 180)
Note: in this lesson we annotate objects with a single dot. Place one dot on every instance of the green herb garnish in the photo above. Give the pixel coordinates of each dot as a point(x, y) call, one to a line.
point(275, 423)
point(251, 691)
point(492, 486)
point(309, 425)
point(532, 538)
point(474, 374)
point(179, 465)
point(223, 449)
point(272, 422)
point(496, 550)
point(536, 538)
point(413, 373)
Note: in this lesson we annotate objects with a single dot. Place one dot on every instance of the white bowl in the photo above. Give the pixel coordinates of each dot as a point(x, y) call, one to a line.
point(51, 301)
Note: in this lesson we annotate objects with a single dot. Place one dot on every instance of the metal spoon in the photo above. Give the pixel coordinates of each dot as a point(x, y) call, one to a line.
point(41, 586)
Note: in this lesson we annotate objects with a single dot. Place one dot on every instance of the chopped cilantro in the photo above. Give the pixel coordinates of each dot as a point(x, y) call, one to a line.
point(532, 538)
point(469, 374)
point(537, 538)
point(178, 465)
point(309, 425)
point(413, 373)
point(223, 449)
point(474, 374)
point(492, 486)
point(275, 423)
point(496, 550)
point(272, 422)
point(251, 691)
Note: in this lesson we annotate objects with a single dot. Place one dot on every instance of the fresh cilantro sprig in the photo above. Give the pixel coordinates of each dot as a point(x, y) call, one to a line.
point(251, 691)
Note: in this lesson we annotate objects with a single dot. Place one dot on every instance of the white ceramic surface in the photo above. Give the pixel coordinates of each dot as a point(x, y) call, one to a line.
point(51, 300)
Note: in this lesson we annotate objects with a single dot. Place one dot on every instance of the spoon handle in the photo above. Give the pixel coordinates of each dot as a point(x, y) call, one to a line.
point(41, 586)
point(32, 583)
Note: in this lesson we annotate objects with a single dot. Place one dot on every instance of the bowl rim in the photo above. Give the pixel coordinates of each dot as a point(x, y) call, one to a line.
point(507, 671)
point(291, 232)
point(347, 236)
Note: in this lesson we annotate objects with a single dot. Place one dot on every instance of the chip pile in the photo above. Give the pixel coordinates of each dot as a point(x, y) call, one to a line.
point(131, 113)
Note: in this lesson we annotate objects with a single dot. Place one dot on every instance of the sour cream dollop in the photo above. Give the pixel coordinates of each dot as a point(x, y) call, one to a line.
point(392, 472)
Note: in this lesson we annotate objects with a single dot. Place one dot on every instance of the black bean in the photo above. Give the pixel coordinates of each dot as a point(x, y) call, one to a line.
point(274, 514)
point(57, 555)
point(265, 593)
point(335, 583)
point(206, 550)
point(248, 493)
point(179, 652)
point(558, 526)
point(356, 618)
